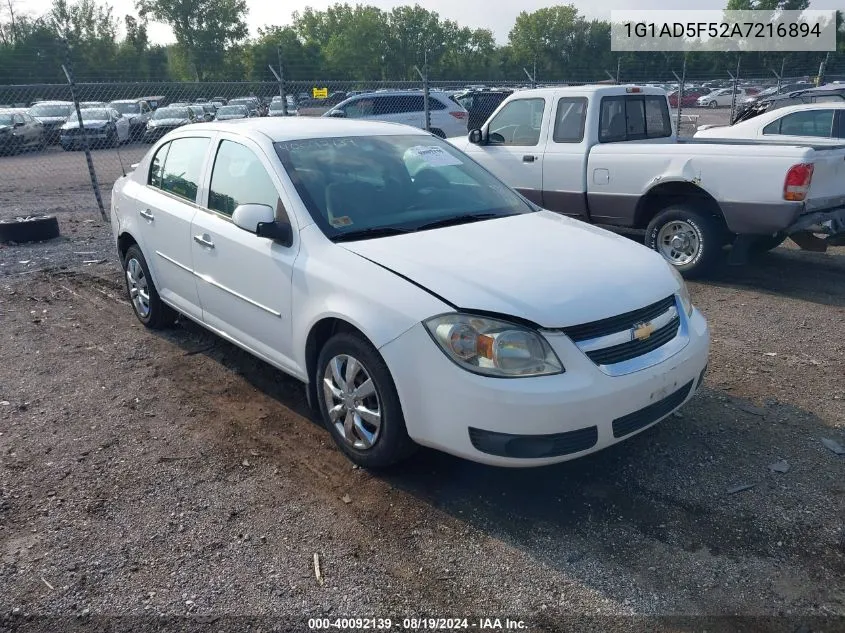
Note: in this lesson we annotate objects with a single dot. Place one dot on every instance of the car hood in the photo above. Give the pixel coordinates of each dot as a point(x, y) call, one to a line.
point(544, 267)
point(74, 125)
point(50, 120)
point(166, 122)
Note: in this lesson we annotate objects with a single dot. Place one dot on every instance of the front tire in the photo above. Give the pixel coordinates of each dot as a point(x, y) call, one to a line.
point(147, 305)
point(691, 241)
point(713, 105)
point(359, 403)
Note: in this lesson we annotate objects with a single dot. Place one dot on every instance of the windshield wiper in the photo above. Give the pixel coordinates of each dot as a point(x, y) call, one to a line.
point(458, 219)
point(363, 234)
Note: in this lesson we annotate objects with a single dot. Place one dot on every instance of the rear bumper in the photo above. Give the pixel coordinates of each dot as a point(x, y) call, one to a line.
point(829, 221)
point(751, 218)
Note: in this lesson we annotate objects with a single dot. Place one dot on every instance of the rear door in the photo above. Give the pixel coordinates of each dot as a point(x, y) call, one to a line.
point(514, 151)
point(564, 172)
point(165, 207)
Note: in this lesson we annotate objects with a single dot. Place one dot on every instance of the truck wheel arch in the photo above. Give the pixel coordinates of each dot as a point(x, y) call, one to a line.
point(667, 194)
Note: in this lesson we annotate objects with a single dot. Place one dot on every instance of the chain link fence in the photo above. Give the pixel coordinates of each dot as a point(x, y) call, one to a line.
point(41, 162)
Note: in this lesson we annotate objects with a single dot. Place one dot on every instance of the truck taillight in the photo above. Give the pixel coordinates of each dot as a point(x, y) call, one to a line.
point(633, 89)
point(458, 114)
point(797, 182)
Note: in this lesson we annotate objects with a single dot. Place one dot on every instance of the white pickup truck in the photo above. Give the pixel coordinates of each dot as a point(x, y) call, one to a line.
point(609, 155)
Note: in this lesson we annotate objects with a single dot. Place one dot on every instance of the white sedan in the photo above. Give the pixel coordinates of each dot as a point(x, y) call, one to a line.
point(808, 122)
point(722, 98)
point(421, 300)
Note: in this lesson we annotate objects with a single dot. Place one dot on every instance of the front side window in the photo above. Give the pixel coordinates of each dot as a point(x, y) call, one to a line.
point(391, 183)
point(183, 166)
point(517, 123)
point(239, 177)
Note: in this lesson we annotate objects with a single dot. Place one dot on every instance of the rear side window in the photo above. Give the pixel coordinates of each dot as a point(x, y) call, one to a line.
point(633, 118)
point(570, 119)
point(182, 167)
point(809, 123)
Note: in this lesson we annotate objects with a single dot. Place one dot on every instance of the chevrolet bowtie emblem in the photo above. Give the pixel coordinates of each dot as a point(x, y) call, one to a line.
point(642, 331)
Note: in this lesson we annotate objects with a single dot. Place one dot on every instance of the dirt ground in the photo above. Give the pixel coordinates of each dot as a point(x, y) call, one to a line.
point(145, 475)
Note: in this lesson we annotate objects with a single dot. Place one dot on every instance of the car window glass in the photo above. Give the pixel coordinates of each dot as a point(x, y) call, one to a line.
point(809, 123)
point(17, 118)
point(182, 167)
point(157, 166)
point(657, 119)
point(238, 178)
point(518, 123)
point(435, 104)
point(635, 115)
point(358, 108)
point(570, 119)
point(773, 127)
point(841, 133)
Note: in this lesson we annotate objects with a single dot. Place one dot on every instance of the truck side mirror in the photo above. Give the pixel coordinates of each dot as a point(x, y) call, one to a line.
point(476, 137)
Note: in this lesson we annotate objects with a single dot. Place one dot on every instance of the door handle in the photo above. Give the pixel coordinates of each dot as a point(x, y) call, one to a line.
point(147, 215)
point(528, 158)
point(204, 240)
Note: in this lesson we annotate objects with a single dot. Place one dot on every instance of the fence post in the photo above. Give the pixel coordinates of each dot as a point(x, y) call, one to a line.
point(424, 77)
point(735, 87)
point(68, 70)
point(282, 84)
point(681, 81)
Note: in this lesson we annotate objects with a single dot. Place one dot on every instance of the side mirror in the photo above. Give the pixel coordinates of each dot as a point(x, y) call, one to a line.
point(337, 114)
point(278, 231)
point(476, 137)
point(249, 216)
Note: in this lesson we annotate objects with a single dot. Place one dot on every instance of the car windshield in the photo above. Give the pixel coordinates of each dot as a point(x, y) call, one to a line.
point(229, 110)
point(126, 108)
point(5, 118)
point(171, 113)
point(92, 114)
point(362, 185)
point(50, 110)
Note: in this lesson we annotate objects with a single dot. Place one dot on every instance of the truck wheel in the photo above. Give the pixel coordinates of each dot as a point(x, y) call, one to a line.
point(689, 240)
point(766, 243)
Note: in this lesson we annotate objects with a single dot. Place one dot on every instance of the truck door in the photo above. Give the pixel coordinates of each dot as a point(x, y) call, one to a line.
point(564, 169)
point(514, 152)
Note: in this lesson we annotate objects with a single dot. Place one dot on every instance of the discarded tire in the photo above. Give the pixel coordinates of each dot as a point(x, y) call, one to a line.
point(29, 229)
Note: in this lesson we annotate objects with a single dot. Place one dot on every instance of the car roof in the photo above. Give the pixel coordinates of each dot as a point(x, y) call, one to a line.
point(772, 115)
point(279, 129)
point(127, 100)
point(53, 103)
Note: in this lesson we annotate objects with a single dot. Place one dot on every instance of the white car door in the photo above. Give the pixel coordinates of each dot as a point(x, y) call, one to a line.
point(513, 151)
point(165, 208)
point(244, 281)
point(122, 124)
point(564, 173)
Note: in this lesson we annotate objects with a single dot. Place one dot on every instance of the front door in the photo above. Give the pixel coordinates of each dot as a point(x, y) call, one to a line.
point(244, 281)
point(514, 150)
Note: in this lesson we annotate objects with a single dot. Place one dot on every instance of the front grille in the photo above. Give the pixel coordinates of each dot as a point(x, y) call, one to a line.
point(618, 323)
point(533, 446)
point(632, 349)
point(637, 420)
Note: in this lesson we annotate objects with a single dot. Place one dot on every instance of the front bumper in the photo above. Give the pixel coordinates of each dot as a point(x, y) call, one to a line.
point(78, 140)
point(508, 422)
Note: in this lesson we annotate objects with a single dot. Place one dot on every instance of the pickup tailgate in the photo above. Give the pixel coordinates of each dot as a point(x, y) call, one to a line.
point(827, 188)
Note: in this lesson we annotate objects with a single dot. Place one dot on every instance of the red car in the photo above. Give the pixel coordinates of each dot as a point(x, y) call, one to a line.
point(690, 98)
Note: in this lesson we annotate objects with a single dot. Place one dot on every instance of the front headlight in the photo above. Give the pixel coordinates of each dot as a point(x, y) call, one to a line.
point(683, 291)
point(492, 347)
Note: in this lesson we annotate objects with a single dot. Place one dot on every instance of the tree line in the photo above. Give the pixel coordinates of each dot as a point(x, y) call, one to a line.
point(346, 43)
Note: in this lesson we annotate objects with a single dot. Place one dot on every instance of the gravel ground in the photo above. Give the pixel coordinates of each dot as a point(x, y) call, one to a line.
point(170, 474)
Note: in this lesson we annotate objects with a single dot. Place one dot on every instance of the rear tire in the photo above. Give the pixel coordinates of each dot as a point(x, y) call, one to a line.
point(367, 444)
point(690, 240)
point(151, 311)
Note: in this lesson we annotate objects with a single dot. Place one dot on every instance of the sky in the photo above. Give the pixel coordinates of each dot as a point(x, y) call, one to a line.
point(496, 15)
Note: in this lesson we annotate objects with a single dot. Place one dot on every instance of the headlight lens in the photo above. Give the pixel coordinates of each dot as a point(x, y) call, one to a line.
point(492, 347)
point(683, 291)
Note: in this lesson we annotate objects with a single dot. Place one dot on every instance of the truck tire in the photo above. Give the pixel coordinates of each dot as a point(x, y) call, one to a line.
point(765, 243)
point(692, 241)
point(35, 229)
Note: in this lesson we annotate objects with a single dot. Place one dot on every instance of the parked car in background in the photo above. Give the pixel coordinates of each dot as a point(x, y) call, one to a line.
point(690, 98)
point(201, 114)
point(830, 93)
point(83, 105)
point(20, 131)
point(609, 155)
point(806, 123)
point(137, 112)
point(52, 115)
point(773, 90)
point(166, 119)
point(155, 101)
point(278, 109)
point(219, 101)
point(577, 340)
point(228, 112)
point(104, 127)
point(448, 118)
point(722, 98)
point(480, 104)
point(251, 103)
